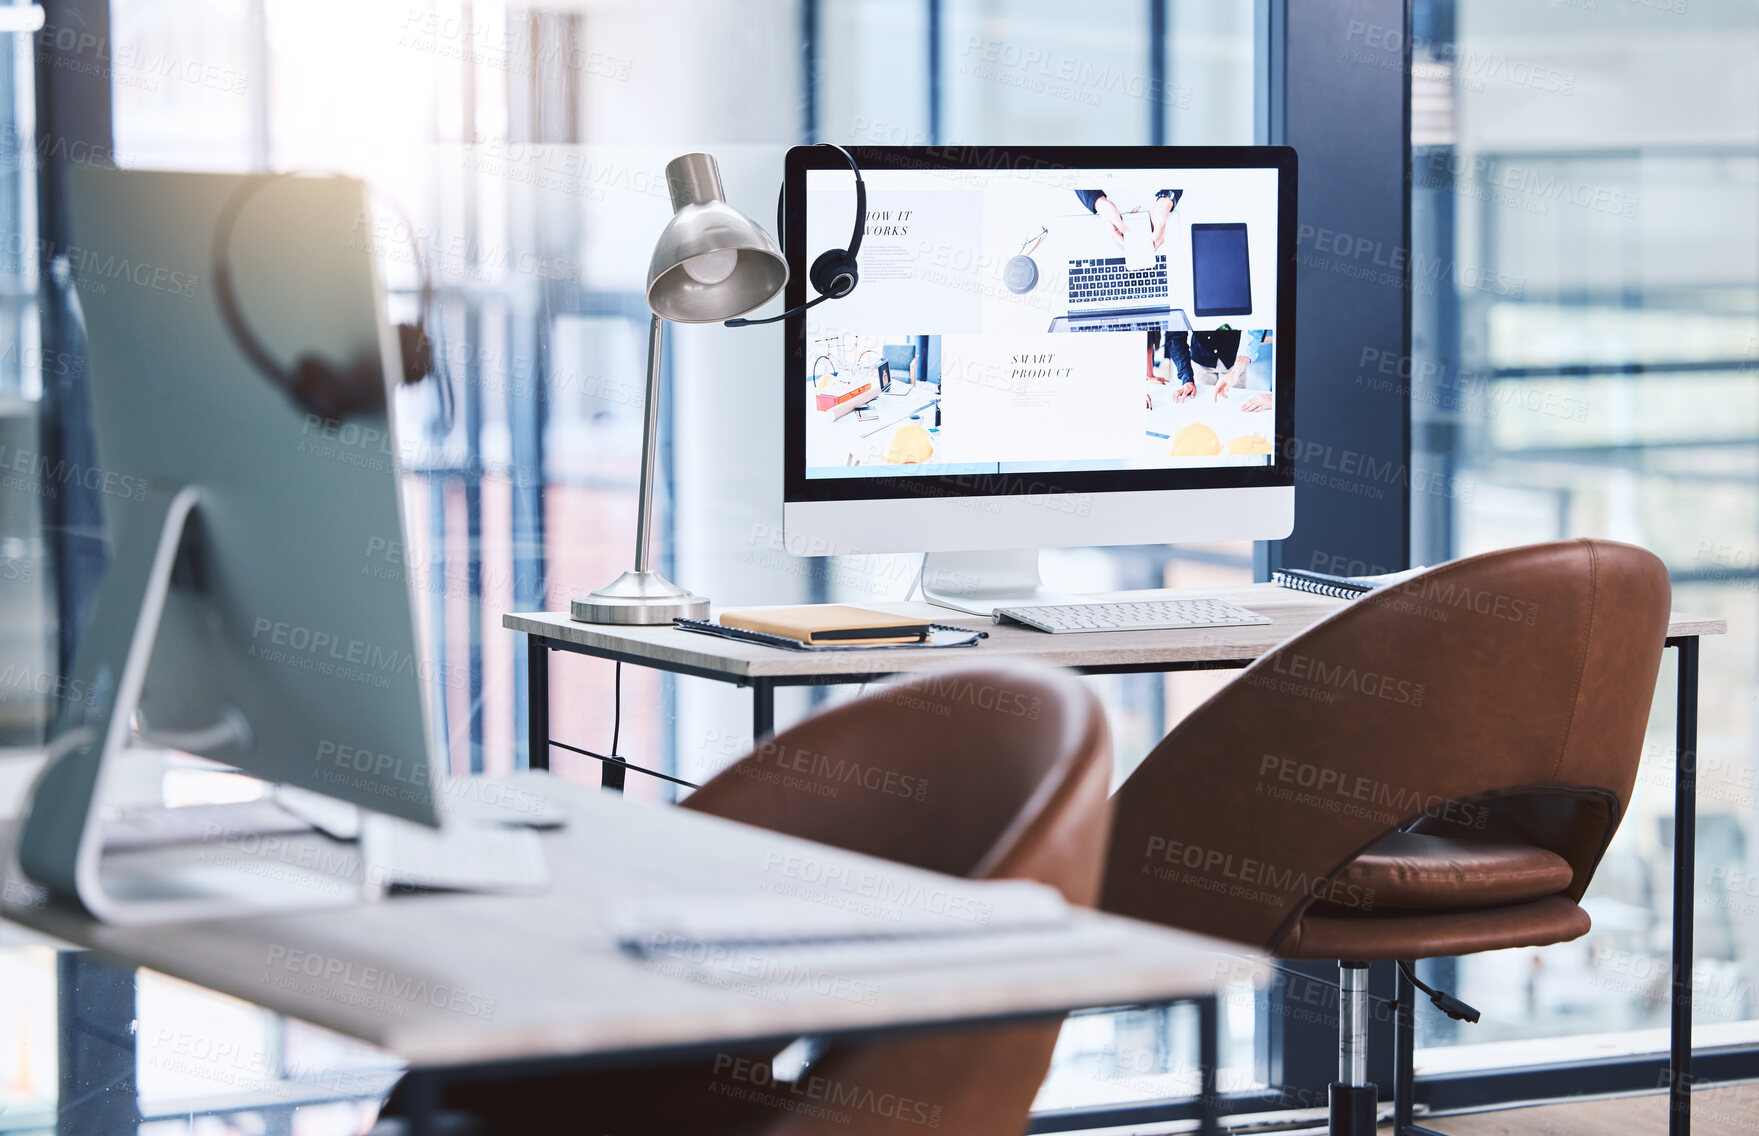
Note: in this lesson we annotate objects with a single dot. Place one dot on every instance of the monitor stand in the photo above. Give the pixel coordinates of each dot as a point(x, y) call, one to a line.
point(61, 845)
point(980, 582)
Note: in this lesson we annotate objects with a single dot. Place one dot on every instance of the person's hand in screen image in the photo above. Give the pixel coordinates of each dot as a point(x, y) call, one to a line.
point(1255, 347)
point(1164, 201)
point(1176, 358)
point(1096, 202)
point(1233, 377)
point(1157, 362)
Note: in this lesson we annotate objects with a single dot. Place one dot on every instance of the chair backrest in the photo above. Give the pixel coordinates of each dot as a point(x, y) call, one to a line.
point(1502, 697)
point(984, 772)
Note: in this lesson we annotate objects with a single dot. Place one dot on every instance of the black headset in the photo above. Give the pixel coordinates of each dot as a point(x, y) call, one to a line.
point(835, 272)
point(315, 384)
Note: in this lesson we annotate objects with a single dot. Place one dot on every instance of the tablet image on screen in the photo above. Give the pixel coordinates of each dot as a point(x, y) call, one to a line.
point(1221, 279)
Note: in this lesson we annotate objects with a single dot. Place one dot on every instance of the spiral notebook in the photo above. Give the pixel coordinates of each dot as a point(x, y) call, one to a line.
point(1338, 587)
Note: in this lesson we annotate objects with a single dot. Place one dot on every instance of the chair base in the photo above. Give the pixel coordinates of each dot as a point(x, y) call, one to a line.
point(1353, 1109)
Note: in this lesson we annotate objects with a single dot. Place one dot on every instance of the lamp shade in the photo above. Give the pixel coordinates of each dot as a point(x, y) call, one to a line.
point(712, 262)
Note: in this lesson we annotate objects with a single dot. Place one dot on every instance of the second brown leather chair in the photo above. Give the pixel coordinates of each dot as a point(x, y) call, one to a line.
point(1436, 770)
point(983, 772)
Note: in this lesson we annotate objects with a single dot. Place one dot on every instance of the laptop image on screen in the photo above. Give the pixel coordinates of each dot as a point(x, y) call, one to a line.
point(1131, 292)
point(1106, 294)
point(1221, 282)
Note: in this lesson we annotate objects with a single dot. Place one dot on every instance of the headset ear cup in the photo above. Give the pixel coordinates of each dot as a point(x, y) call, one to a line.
point(417, 352)
point(834, 274)
point(317, 387)
point(333, 393)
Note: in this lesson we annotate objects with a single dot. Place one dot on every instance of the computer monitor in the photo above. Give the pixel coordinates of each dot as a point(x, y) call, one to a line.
point(1112, 337)
point(257, 607)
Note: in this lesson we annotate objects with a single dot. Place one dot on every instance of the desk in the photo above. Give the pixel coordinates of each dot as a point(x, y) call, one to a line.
point(1112, 652)
point(766, 668)
point(458, 983)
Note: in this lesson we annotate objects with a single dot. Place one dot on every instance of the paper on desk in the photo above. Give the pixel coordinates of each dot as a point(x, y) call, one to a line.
point(856, 904)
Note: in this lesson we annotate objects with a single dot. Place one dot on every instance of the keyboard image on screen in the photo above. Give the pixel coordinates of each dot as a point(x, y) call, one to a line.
point(1104, 282)
point(1123, 322)
point(1131, 615)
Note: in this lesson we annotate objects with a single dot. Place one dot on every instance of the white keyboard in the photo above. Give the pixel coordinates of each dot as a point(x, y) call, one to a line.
point(459, 857)
point(1131, 615)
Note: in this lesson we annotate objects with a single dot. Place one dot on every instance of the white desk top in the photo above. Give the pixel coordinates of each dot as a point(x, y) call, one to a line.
point(1290, 612)
point(454, 979)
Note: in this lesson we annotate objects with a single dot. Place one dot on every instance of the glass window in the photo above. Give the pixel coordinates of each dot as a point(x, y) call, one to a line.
point(1032, 71)
point(1585, 176)
point(28, 664)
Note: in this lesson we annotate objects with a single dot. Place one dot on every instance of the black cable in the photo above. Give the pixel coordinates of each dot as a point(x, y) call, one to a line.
point(1445, 1002)
point(442, 374)
point(625, 764)
point(616, 732)
point(617, 706)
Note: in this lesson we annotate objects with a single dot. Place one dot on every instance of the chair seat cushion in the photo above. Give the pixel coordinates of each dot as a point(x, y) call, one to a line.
point(1409, 869)
point(1407, 933)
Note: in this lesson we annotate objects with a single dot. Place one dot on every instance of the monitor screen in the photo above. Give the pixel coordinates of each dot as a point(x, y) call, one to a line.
point(1070, 319)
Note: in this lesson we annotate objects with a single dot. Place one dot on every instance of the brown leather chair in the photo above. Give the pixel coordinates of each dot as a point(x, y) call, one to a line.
point(1435, 770)
point(984, 772)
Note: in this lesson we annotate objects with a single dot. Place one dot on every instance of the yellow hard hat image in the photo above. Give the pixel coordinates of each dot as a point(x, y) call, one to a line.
point(909, 446)
point(1248, 444)
point(1196, 441)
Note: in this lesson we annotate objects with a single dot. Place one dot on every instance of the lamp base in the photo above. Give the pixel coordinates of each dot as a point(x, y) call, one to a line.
point(638, 598)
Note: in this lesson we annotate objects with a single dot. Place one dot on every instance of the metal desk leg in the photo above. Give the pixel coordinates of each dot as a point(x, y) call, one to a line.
point(418, 1094)
point(763, 709)
point(95, 1019)
point(1209, 1056)
point(1685, 839)
point(537, 702)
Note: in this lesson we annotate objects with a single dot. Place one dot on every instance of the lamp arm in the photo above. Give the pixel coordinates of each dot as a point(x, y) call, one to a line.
point(649, 447)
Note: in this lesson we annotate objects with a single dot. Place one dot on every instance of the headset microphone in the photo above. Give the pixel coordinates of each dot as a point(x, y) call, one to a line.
point(834, 273)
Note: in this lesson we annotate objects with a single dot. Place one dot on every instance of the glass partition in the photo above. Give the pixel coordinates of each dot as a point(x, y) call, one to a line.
point(519, 153)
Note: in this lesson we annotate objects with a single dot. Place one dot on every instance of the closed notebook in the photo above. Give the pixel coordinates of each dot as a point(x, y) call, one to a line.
point(828, 623)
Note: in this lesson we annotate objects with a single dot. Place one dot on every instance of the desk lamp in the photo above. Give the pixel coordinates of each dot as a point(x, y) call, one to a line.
point(711, 263)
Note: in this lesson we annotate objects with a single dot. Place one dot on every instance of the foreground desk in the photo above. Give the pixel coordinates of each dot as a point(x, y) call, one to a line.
point(503, 986)
point(1111, 652)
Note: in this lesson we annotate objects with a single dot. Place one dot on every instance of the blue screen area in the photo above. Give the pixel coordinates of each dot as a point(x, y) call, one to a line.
point(1221, 281)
